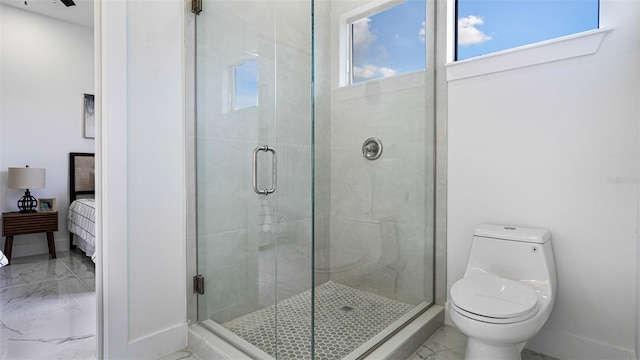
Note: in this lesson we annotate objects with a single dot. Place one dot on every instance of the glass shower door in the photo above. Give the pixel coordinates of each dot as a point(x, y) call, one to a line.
point(308, 248)
point(253, 171)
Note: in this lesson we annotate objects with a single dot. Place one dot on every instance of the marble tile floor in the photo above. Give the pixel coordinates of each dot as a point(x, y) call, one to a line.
point(446, 344)
point(182, 354)
point(48, 307)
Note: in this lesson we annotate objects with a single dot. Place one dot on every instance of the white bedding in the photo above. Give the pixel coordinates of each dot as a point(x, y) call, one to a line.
point(3, 259)
point(81, 220)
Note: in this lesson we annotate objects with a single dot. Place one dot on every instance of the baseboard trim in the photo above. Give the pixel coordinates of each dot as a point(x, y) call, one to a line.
point(561, 345)
point(159, 344)
point(567, 346)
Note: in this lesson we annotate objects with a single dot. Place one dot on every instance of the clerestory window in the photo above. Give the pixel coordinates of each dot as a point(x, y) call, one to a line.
point(386, 40)
point(245, 85)
point(488, 26)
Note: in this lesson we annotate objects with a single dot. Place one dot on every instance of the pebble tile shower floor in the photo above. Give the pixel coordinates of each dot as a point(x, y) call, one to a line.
point(345, 319)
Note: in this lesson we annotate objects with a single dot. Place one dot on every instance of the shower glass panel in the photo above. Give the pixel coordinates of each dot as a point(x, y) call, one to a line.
point(253, 169)
point(307, 248)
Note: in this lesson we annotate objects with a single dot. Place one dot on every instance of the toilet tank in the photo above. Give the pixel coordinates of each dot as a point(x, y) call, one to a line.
point(517, 253)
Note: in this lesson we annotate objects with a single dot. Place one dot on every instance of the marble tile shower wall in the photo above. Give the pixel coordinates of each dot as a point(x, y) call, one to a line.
point(237, 228)
point(380, 209)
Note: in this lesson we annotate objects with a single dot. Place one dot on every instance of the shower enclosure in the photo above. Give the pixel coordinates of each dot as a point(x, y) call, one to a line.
point(306, 246)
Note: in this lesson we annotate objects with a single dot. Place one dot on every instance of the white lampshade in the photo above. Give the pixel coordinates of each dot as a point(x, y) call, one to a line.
point(27, 178)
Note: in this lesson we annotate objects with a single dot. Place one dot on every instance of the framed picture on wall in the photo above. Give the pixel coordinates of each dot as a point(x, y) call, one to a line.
point(89, 117)
point(46, 205)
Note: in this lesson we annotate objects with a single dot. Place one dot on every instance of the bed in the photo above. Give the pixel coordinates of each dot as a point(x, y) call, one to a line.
point(81, 217)
point(3, 259)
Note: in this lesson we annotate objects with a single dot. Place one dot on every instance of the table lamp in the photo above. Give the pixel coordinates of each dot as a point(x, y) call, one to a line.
point(27, 178)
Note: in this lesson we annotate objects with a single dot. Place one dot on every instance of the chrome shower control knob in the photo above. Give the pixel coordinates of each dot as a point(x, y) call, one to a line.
point(372, 148)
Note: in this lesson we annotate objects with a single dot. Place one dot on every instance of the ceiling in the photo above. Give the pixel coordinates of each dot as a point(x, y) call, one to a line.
point(81, 14)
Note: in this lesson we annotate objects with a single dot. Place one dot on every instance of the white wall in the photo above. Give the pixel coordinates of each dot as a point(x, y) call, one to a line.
point(46, 65)
point(142, 194)
point(555, 145)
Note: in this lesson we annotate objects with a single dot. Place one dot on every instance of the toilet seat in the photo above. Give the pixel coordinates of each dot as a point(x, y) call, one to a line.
point(490, 298)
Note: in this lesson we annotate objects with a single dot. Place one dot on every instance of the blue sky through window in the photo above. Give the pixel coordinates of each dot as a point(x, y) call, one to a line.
point(246, 84)
point(486, 26)
point(389, 42)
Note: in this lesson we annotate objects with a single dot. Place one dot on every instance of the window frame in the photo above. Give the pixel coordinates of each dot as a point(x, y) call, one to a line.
point(229, 86)
point(346, 39)
point(456, 17)
point(566, 47)
point(234, 87)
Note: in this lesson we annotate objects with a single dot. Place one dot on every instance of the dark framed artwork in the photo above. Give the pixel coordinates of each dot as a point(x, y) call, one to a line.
point(89, 117)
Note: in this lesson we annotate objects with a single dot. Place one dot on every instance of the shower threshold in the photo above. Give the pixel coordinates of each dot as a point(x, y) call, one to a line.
point(348, 324)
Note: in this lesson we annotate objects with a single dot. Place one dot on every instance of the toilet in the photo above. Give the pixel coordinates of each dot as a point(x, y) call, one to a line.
point(507, 291)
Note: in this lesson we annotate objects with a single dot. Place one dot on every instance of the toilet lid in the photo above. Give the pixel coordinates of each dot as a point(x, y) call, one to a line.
point(491, 296)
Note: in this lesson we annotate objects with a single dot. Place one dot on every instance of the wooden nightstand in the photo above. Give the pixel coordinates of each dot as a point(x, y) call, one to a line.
point(15, 223)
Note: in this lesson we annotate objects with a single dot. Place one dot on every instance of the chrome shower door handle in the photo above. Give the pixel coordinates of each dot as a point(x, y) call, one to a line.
point(265, 148)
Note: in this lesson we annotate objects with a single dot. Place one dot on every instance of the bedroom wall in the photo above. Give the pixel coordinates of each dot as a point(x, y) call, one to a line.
point(46, 65)
point(555, 145)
